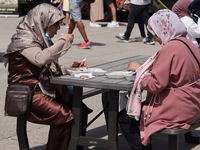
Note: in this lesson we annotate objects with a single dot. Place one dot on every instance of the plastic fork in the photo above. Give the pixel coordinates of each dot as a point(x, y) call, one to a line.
point(83, 60)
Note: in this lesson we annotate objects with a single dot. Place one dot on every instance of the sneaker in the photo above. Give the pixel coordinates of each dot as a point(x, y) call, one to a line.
point(121, 34)
point(149, 41)
point(144, 40)
point(140, 39)
point(113, 24)
point(62, 24)
point(94, 25)
point(85, 45)
point(66, 26)
point(122, 38)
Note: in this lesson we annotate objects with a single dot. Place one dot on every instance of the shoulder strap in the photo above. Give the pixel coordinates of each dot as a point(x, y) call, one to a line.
point(189, 49)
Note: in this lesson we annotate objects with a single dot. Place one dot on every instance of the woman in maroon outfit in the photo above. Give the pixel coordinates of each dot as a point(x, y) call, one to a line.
point(32, 56)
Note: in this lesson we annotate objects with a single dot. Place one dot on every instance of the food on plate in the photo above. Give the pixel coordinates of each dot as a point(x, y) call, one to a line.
point(77, 69)
point(119, 73)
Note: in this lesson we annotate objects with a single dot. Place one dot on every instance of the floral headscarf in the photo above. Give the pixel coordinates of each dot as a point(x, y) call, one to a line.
point(134, 103)
point(166, 25)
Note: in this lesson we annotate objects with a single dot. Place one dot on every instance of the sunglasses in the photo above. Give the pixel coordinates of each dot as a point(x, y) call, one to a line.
point(58, 23)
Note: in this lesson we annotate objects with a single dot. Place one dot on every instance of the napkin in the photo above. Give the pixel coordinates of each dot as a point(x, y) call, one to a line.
point(84, 75)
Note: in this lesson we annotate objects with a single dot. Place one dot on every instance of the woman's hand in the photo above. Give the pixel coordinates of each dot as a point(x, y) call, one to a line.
point(63, 70)
point(133, 66)
point(85, 5)
point(120, 6)
point(70, 37)
point(78, 64)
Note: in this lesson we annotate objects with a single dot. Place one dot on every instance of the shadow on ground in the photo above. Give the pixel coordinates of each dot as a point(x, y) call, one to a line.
point(42, 147)
point(161, 141)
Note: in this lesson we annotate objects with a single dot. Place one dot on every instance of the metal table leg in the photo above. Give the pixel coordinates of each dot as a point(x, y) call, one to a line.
point(77, 122)
point(21, 134)
point(112, 121)
point(105, 101)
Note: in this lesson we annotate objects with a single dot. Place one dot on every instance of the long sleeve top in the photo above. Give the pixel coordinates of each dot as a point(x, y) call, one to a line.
point(40, 57)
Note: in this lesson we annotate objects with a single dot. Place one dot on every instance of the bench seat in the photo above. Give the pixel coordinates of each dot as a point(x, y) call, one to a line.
point(173, 135)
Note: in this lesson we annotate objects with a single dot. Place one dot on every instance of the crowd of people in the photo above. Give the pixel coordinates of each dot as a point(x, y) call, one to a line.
point(139, 12)
point(173, 97)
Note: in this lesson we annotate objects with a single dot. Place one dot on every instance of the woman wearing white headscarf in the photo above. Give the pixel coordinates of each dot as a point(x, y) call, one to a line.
point(30, 56)
point(170, 78)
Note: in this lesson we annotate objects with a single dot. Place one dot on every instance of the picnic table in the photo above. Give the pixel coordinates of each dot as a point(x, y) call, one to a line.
point(109, 88)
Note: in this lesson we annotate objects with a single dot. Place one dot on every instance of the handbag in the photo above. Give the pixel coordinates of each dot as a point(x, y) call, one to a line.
point(18, 99)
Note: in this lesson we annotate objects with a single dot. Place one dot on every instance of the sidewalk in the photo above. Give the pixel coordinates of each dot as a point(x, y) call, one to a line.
point(104, 49)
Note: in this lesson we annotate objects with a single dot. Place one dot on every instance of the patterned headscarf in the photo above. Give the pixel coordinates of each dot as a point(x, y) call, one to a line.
point(32, 28)
point(166, 25)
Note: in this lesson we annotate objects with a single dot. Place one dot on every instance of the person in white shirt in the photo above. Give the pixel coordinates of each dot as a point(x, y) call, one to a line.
point(182, 11)
point(181, 8)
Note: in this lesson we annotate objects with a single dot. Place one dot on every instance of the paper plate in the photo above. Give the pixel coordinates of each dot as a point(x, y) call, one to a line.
point(94, 71)
point(117, 74)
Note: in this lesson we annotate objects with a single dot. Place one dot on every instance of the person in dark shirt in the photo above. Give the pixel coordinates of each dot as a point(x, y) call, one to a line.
point(194, 7)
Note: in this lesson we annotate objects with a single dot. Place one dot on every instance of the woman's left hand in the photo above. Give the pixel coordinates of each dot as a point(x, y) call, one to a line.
point(78, 64)
point(133, 66)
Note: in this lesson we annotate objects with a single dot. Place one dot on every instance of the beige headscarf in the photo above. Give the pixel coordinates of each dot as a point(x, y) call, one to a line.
point(31, 33)
point(32, 28)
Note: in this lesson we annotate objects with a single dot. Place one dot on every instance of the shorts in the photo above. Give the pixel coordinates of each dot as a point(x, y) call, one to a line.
point(75, 10)
point(65, 5)
point(109, 1)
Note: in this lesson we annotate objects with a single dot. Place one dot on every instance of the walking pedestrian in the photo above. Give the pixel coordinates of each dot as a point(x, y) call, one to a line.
point(113, 23)
point(76, 19)
point(96, 13)
point(137, 7)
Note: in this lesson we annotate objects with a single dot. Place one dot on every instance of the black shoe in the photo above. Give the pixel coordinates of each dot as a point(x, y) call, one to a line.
point(122, 38)
point(149, 41)
point(62, 24)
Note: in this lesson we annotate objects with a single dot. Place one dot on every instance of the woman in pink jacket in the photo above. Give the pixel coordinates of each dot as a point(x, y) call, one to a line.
point(170, 78)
